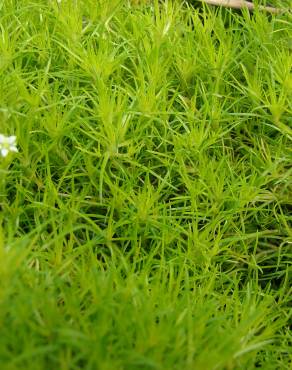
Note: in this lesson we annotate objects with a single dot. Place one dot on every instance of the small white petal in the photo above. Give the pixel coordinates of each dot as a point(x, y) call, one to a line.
point(2, 138)
point(11, 139)
point(4, 152)
point(13, 148)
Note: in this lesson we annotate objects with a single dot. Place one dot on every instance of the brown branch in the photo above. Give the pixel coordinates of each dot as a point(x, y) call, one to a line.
point(241, 4)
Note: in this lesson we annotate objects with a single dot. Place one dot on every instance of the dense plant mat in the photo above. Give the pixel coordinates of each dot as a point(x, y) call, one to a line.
point(145, 186)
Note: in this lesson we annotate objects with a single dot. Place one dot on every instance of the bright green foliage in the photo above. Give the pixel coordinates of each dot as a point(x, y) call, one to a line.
point(145, 221)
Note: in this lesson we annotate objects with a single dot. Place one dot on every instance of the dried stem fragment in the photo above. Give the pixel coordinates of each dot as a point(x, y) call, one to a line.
point(241, 4)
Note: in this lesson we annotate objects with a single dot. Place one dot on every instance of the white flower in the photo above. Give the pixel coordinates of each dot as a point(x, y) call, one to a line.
point(7, 144)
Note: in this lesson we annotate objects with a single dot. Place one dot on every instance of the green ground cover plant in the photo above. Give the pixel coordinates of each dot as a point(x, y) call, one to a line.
point(145, 221)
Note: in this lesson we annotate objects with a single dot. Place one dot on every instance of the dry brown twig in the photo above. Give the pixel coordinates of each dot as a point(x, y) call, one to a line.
point(241, 4)
point(234, 4)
